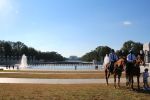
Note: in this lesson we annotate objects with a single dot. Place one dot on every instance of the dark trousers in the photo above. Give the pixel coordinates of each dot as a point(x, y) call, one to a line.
point(129, 68)
point(111, 67)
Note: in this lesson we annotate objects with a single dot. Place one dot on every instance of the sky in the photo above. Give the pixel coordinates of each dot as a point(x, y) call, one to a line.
point(74, 27)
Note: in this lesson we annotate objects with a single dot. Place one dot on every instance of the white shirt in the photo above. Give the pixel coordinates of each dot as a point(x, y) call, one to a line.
point(131, 57)
point(106, 60)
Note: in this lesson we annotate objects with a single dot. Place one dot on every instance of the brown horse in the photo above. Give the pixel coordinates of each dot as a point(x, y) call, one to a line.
point(118, 68)
point(134, 70)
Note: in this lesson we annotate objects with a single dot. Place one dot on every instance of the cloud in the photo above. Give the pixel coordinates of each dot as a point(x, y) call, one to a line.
point(127, 23)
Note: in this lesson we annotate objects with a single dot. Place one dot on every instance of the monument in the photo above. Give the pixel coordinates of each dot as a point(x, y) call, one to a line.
point(146, 49)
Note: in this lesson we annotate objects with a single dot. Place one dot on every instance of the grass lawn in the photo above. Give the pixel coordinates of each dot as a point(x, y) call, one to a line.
point(69, 92)
point(52, 75)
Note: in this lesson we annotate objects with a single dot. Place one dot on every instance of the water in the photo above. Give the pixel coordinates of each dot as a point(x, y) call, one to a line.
point(64, 67)
point(23, 62)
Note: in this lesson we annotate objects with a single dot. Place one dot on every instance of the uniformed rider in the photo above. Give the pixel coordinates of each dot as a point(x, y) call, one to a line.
point(113, 58)
point(130, 65)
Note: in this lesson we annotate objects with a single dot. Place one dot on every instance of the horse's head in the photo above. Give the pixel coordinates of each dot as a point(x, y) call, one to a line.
point(121, 63)
point(139, 62)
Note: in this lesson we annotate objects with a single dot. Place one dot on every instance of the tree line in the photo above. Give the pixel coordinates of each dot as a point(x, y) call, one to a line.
point(100, 52)
point(15, 50)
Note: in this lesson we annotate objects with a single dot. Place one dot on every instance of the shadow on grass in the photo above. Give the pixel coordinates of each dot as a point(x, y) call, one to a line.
point(141, 90)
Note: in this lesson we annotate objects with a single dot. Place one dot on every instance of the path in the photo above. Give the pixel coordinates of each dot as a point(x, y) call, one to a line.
point(54, 81)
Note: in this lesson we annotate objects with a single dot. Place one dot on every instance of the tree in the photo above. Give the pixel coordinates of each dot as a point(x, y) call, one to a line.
point(17, 46)
point(17, 49)
point(97, 54)
point(102, 51)
point(136, 46)
point(90, 56)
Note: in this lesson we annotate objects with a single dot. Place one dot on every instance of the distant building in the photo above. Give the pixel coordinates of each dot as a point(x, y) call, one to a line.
point(73, 59)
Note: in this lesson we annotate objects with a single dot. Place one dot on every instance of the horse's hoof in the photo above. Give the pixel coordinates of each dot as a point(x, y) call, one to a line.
point(127, 84)
point(131, 89)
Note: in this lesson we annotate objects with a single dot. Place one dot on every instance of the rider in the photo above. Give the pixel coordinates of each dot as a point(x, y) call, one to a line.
point(113, 58)
point(130, 64)
point(131, 58)
point(141, 55)
point(123, 54)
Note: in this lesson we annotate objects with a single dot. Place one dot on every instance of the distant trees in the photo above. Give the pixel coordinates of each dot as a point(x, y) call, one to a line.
point(17, 49)
point(100, 52)
point(136, 46)
point(97, 54)
point(90, 56)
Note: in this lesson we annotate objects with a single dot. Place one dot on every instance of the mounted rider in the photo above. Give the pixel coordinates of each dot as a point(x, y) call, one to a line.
point(141, 57)
point(141, 54)
point(131, 58)
point(113, 58)
point(130, 65)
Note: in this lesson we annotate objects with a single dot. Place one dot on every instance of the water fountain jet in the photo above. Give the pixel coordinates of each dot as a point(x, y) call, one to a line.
point(23, 63)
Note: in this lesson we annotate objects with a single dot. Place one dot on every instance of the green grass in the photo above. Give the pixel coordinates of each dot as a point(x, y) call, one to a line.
point(69, 92)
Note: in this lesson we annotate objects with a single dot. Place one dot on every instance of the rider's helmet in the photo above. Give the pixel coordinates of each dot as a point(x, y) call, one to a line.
point(122, 52)
point(131, 51)
point(112, 51)
point(141, 52)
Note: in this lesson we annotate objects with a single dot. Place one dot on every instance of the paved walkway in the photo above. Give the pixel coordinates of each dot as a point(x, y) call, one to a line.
point(55, 81)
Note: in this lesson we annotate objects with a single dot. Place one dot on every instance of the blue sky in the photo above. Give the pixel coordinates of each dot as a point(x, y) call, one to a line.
point(74, 27)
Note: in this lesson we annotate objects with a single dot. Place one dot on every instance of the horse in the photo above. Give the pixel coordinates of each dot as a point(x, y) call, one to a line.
point(134, 70)
point(119, 67)
point(117, 71)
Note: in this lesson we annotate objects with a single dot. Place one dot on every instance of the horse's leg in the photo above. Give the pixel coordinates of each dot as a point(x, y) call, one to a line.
point(127, 80)
point(138, 82)
point(119, 81)
point(132, 81)
point(115, 80)
point(106, 76)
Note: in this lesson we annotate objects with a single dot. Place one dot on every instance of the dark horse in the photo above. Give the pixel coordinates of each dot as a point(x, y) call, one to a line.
point(117, 71)
point(133, 69)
